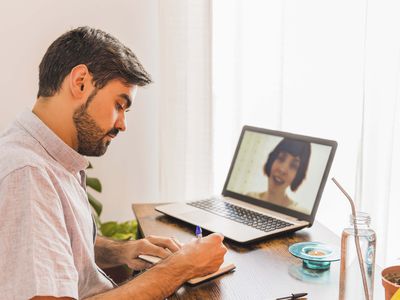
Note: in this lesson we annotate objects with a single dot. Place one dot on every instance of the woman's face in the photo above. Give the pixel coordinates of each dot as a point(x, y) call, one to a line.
point(283, 170)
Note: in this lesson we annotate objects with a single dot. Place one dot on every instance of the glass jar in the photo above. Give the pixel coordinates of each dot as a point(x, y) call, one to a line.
point(358, 236)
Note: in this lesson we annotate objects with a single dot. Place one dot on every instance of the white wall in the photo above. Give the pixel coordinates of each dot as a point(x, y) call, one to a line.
point(129, 170)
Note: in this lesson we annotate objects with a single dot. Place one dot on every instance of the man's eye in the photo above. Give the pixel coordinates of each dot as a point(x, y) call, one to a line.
point(118, 106)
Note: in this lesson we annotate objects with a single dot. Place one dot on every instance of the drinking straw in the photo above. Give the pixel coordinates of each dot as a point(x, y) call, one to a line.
point(356, 238)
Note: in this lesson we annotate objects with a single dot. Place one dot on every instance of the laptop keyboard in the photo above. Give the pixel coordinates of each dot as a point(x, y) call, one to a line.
point(240, 215)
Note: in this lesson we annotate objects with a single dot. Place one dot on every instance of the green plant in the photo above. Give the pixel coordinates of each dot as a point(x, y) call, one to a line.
point(119, 231)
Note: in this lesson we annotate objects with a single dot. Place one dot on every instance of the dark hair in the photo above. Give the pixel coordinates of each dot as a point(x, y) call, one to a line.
point(295, 148)
point(105, 57)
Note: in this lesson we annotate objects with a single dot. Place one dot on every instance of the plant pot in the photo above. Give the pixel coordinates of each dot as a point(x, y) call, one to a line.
point(390, 287)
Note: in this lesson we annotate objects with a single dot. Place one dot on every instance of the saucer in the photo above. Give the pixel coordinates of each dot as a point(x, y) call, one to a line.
point(315, 255)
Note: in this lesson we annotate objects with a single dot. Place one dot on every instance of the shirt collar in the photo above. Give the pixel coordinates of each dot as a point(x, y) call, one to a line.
point(57, 148)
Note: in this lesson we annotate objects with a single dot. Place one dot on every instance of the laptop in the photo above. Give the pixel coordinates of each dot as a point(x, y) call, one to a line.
point(274, 186)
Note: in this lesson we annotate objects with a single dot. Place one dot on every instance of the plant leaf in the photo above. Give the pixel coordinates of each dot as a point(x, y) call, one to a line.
point(97, 206)
point(123, 236)
point(109, 228)
point(94, 183)
point(119, 231)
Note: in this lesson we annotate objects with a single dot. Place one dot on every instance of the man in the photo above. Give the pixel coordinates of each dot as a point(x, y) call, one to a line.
point(48, 243)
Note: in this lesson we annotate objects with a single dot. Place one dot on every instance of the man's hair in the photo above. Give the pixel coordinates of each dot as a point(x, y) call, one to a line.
point(105, 57)
point(295, 148)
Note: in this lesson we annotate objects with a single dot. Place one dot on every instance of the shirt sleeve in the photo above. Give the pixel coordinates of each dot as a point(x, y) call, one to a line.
point(35, 248)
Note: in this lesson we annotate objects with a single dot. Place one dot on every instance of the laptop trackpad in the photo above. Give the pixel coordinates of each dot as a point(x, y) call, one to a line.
point(199, 217)
point(214, 223)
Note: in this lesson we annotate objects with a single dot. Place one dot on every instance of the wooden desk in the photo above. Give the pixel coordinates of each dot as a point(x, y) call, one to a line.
point(264, 270)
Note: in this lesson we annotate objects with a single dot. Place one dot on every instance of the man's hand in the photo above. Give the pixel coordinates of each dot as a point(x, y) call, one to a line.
point(110, 253)
point(181, 263)
point(200, 256)
point(151, 245)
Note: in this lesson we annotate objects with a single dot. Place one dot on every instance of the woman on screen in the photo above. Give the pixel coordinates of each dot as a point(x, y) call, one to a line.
point(286, 166)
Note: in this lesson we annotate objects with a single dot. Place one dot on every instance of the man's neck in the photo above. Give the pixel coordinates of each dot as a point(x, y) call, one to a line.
point(58, 118)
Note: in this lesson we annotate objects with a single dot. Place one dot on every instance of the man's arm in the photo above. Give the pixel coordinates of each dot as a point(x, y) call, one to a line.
point(157, 283)
point(107, 252)
point(196, 258)
point(110, 253)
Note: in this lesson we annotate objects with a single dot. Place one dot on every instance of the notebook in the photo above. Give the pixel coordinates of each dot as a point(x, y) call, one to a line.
point(274, 186)
point(224, 268)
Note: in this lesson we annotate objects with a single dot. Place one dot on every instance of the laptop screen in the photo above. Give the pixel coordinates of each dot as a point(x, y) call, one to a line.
point(280, 170)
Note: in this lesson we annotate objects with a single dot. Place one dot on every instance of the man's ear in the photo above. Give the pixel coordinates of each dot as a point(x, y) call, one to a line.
point(79, 80)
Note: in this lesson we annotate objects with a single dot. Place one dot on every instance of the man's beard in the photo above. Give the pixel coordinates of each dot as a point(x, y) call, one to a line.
point(90, 135)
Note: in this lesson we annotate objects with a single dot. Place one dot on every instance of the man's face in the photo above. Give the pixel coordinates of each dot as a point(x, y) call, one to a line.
point(100, 119)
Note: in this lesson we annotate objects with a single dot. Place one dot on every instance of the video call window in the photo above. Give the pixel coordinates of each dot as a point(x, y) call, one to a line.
point(282, 171)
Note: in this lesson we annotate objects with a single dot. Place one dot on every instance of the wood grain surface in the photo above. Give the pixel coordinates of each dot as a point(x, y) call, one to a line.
point(264, 270)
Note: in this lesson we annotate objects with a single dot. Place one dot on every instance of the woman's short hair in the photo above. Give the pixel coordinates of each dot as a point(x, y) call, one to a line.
point(296, 148)
point(105, 57)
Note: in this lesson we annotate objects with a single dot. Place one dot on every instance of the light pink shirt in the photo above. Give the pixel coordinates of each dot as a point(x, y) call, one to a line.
point(46, 229)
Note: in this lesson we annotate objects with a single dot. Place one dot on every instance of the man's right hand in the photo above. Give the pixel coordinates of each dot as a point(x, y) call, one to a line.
point(200, 257)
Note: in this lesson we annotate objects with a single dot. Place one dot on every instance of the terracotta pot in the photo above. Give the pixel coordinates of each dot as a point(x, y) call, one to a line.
point(390, 287)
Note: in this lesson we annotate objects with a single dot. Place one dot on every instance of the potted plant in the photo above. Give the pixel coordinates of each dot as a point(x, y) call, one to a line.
point(112, 229)
point(391, 282)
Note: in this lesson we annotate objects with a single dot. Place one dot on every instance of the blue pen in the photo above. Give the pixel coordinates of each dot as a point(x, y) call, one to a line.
point(199, 233)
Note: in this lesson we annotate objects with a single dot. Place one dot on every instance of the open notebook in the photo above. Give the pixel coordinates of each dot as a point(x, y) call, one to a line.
point(224, 268)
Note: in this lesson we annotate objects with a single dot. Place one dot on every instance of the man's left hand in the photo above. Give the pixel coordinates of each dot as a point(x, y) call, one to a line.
point(151, 245)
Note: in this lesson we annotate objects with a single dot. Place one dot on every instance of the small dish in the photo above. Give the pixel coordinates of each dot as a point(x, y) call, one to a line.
point(315, 255)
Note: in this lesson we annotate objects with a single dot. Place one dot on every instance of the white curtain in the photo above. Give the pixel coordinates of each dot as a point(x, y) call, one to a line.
point(325, 68)
point(185, 171)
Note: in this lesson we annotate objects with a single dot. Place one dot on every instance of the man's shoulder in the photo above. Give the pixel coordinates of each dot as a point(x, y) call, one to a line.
point(18, 150)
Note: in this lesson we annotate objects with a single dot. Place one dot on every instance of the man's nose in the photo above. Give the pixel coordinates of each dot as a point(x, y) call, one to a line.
point(121, 123)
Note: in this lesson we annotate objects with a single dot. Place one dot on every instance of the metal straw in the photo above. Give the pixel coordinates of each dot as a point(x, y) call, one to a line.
point(356, 239)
